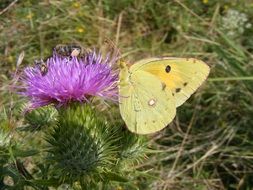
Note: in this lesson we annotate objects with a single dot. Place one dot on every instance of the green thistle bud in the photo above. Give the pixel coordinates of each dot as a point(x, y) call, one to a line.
point(81, 145)
point(39, 119)
point(133, 149)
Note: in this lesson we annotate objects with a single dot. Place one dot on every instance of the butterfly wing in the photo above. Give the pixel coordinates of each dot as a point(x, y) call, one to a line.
point(181, 75)
point(145, 105)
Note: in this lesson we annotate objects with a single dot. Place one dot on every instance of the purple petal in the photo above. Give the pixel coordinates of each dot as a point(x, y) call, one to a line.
point(70, 80)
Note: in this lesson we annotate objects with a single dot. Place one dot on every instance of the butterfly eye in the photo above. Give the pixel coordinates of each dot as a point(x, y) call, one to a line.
point(167, 69)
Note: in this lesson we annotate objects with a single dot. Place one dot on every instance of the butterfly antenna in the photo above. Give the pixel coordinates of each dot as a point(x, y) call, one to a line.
point(112, 47)
point(118, 28)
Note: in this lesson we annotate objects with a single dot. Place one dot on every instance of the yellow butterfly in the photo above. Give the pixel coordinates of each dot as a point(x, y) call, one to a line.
point(151, 89)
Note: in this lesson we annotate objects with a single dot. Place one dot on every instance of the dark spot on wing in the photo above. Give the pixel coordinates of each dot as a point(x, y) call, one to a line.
point(173, 94)
point(163, 86)
point(153, 121)
point(167, 69)
point(178, 90)
point(185, 83)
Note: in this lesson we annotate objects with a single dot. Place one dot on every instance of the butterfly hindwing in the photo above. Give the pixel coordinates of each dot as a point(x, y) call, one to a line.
point(181, 75)
point(146, 105)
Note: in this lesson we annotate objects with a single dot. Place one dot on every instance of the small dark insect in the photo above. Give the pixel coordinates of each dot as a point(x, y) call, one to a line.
point(42, 66)
point(69, 50)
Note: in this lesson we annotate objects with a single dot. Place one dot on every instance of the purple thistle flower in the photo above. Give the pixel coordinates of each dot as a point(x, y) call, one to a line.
point(68, 80)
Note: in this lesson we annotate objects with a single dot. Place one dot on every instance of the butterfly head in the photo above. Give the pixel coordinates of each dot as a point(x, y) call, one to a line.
point(122, 65)
point(124, 73)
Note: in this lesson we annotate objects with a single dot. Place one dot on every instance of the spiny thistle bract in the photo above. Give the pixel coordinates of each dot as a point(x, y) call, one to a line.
point(81, 144)
point(39, 119)
point(5, 136)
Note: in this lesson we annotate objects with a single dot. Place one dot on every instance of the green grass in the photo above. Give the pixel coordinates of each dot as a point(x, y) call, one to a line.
point(210, 143)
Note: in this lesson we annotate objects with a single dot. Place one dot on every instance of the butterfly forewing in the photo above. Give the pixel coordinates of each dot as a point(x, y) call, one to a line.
point(182, 76)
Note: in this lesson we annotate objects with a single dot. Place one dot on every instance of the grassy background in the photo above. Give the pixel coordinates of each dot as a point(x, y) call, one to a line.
point(210, 143)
